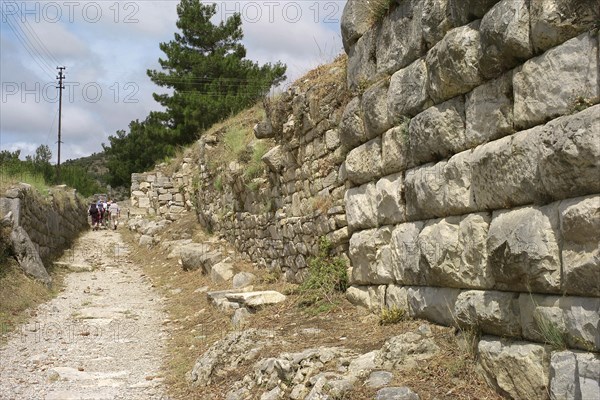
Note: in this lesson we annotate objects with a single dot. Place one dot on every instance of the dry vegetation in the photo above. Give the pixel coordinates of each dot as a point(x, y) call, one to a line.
point(195, 325)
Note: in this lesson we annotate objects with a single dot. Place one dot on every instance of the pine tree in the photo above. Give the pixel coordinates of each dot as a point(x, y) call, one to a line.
point(208, 72)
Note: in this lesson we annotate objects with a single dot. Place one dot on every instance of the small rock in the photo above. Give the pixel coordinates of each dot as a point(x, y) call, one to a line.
point(396, 393)
point(379, 379)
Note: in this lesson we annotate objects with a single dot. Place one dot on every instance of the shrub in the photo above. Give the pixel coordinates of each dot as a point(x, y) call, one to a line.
point(327, 275)
point(393, 315)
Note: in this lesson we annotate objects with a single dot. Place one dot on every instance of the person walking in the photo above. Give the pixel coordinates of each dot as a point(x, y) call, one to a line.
point(115, 212)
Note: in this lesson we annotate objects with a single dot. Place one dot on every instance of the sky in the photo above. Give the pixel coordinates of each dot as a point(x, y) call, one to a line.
point(107, 46)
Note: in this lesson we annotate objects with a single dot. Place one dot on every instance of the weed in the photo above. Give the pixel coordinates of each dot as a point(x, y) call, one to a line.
point(550, 332)
point(271, 277)
point(218, 183)
point(393, 315)
point(580, 104)
point(326, 275)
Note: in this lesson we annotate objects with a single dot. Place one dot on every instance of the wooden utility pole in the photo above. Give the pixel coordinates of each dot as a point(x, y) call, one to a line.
point(60, 88)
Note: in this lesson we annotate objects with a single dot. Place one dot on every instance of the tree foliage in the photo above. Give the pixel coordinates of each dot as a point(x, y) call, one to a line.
point(209, 78)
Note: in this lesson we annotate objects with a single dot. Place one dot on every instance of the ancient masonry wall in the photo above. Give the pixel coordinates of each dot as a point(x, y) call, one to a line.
point(42, 227)
point(276, 219)
point(475, 175)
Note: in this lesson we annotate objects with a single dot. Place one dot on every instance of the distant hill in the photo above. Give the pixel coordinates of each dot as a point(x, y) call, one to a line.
point(96, 167)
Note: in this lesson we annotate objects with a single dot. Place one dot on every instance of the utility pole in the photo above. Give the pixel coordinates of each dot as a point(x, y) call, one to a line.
point(60, 88)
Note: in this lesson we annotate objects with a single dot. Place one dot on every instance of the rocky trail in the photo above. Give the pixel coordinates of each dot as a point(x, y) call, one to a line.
point(100, 338)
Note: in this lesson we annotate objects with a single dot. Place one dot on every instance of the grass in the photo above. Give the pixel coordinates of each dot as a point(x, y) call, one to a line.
point(391, 316)
point(327, 276)
point(19, 294)
point(8, 179)
point(550, 332)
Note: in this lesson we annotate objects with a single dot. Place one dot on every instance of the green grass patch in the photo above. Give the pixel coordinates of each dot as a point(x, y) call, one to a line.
point(327, 277)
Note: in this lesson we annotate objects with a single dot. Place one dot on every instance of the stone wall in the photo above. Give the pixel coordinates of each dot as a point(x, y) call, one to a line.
point(276, 218)
point(41, 227)
point(475, 179)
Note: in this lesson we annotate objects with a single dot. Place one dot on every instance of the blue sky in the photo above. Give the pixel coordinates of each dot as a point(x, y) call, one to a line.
point(107, 46)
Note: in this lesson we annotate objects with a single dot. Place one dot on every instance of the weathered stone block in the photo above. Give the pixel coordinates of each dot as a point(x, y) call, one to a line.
point(437, 132)
point(396, 297)
point(505, 172)
point(406, 254)
point(394, 148)
point(370, 255)
point(400, 39)
point(369, 297)
point(523, 249)
point(570, 155)
point(391, 208)
point(580, 231)
point(374, 109)
point(489, 111)
point(352, 128)
point(574, 375)
point(553, 83)
point(464, 11)
point(438, 190)
point(363, 164)
point(407, 94)
point(519, 369)
point(495, 313)
point(435, 20)
point(354, 23)
point(575, 320)
point(453, 63)
point(361, 207)
point(555, 21)
point(362, 66)
point(505, 37)
point(453, 252)
point(434, 304)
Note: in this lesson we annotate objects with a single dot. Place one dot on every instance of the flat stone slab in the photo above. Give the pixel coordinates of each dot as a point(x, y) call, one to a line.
point(256, 299)
point(74, 267)
point(217, 296)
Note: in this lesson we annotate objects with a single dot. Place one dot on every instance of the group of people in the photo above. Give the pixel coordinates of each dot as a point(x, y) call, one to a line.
point(104, 213)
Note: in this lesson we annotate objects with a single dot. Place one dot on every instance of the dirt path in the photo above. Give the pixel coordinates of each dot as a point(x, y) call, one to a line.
point(101, 338)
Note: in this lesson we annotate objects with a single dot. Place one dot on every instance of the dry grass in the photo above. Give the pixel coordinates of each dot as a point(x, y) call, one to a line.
point(20, 294)
point(195, 325)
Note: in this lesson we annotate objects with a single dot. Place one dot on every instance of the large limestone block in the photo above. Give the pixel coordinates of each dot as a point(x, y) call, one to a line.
point(407, 95)
point(277, 159)
point(396, 297)
point(438, 132)
point(494, 313)
point(489, 111)
point(574, 319)
point(453, 63)
point(435, 20)
point(570, 159)
point(374, 109)
point(256, 299)
point(369, 297)
point(354, 22)
point(432, 303)
point(505, 37)
point(362, 66)
point(27, 255)
point(505, 172)
point(363, 164)
point(352, 127)
point(518, 369)
point(551, 84)
point(394, 148)
point(523, 249)
point(361, 207)
point(370, 256)
point(406, 254)
point(199, 256)
point(222, 271)
point(453, 252)
point(391, 207)
point(574, 375)
point(580, 230)
point(555, 21)
point(400, 39)
point(441, 189)
point(464, 11)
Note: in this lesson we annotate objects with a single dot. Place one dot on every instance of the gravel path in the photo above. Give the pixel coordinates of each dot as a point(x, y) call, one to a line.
point(101, 338)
